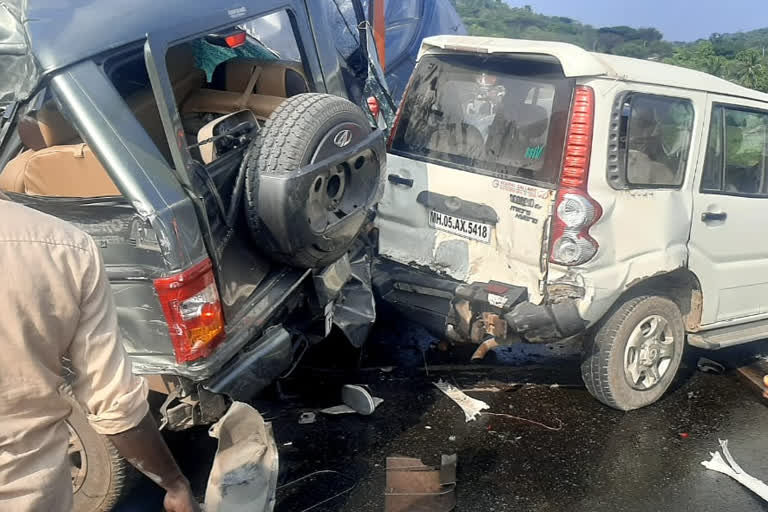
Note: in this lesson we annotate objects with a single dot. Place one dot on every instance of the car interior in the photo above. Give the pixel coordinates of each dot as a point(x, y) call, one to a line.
point(55, 161)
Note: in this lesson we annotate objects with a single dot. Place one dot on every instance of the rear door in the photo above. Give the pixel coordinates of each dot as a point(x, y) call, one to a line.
point(473, 165)
point(728, 247)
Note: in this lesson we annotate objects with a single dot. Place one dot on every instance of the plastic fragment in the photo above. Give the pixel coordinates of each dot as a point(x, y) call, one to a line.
point(470, 406)
point(732, 469)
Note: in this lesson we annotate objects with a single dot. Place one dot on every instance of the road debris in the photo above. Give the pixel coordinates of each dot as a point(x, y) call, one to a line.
point(709, 366)
point(470, 406)
point(293, 489)
point(357, 400)
point(559, 426)
point(244, 473)
point(756, 373)
point(732, 469)
point(412, 486)
point(307, 418)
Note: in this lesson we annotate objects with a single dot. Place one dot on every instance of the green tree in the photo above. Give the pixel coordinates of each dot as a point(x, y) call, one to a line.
point(738, 57)
point(749, 69)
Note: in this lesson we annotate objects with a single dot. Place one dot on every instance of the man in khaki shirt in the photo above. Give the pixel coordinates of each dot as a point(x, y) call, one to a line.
point(55, 301)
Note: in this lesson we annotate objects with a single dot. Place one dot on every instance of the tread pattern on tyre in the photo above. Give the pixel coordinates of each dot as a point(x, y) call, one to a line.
point(276, 149)
point(594, 367)
point(600, 353)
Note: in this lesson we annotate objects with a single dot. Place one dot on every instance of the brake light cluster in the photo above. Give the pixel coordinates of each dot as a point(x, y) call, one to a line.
point(575, 210)
point(236, 40)
point(192, 308)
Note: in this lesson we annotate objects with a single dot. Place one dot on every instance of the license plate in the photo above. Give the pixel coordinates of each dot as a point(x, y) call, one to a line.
point(462, 227)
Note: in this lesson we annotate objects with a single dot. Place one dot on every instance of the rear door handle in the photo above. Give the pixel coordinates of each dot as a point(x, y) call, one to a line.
point(712, 216)
point(399, 180)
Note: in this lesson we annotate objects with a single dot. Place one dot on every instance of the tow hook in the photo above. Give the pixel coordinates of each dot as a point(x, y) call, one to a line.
point(487, 330)
point(483, 349)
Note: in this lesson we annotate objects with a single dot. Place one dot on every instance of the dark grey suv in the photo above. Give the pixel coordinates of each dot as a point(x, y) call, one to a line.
point(226, 186)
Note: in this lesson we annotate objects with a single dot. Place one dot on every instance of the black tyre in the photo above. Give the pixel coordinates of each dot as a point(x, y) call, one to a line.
point(315, 225)
point(100, 477)
point(633, 356)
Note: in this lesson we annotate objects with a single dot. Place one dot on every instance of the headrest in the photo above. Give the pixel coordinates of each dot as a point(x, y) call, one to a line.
point(277, 77)
point(531, 119)
point(46, 128)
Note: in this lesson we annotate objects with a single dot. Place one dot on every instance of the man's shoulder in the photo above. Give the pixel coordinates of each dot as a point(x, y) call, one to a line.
point(21, 224)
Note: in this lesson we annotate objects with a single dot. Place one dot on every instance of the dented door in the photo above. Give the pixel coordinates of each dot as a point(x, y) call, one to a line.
point(472, 169)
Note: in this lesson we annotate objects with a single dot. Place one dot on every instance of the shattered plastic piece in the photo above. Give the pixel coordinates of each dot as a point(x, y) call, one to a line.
point(709, 366)
point(346, 409)
point(412, 486)
point(470, 406)
point(358, 398)
point(732, 469)
point(244, 473)
point(306, 418)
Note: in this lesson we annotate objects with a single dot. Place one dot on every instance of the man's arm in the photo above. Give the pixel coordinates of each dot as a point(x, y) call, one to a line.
point(116, 400)
point(145, 449)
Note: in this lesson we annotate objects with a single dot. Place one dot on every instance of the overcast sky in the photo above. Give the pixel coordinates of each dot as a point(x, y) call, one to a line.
point(678, 20)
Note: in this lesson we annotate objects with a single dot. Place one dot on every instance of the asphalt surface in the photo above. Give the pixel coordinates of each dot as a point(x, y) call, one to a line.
point(578, 455)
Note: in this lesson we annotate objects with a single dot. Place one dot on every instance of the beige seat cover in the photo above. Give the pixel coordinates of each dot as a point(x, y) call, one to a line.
point(225, 102)
point(54, 165)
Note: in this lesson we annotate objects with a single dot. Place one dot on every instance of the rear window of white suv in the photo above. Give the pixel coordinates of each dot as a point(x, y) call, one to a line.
point(495, 115)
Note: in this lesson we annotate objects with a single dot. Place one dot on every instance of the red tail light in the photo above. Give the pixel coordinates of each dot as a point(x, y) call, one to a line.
point(373, 106)
point(575, 210)
point(235, 40)
point(193, 310)
point(399, 112)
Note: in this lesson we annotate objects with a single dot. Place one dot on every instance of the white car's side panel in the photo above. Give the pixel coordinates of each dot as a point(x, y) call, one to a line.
point(642, 232)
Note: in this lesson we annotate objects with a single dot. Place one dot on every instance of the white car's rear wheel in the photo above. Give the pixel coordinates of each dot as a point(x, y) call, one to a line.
point(635, 352)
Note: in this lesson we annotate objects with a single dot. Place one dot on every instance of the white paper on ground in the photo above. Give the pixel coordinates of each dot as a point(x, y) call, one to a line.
point(244, 473)
point(345, 409)
point(470, 406)
point(733, 470)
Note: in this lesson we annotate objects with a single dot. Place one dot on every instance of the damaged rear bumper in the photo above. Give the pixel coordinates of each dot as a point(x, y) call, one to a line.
point(469, 312)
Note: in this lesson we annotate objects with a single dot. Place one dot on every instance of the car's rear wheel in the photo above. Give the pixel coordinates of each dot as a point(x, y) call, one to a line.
point(634, 354)
point(100, 476)
point(315, 226)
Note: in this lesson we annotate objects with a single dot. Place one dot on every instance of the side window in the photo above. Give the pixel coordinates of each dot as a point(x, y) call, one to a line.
point(737, 156)
point(654, 140)
point(343, 25)
point(712, 174)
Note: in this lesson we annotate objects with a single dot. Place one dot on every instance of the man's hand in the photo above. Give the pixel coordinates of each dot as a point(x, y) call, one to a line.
point(179, 497)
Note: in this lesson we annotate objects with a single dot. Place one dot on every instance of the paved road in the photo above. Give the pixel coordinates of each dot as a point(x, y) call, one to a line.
point(600, 459)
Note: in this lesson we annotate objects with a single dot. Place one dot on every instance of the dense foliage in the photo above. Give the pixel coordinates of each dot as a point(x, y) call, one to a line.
point(739, 57)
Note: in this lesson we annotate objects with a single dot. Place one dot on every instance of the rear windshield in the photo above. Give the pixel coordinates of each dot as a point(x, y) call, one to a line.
point(501, 116)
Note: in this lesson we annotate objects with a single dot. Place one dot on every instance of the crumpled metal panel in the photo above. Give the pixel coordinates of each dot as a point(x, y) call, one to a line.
point(17, 65)
point(355, 309)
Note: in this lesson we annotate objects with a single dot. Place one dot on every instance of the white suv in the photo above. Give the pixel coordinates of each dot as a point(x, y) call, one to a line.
point(537, 191)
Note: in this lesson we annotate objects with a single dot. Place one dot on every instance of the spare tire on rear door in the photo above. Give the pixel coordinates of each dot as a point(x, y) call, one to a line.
point(308, 184)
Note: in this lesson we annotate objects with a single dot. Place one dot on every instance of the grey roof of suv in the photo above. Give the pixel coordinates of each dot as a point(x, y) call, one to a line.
point(39, 36)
